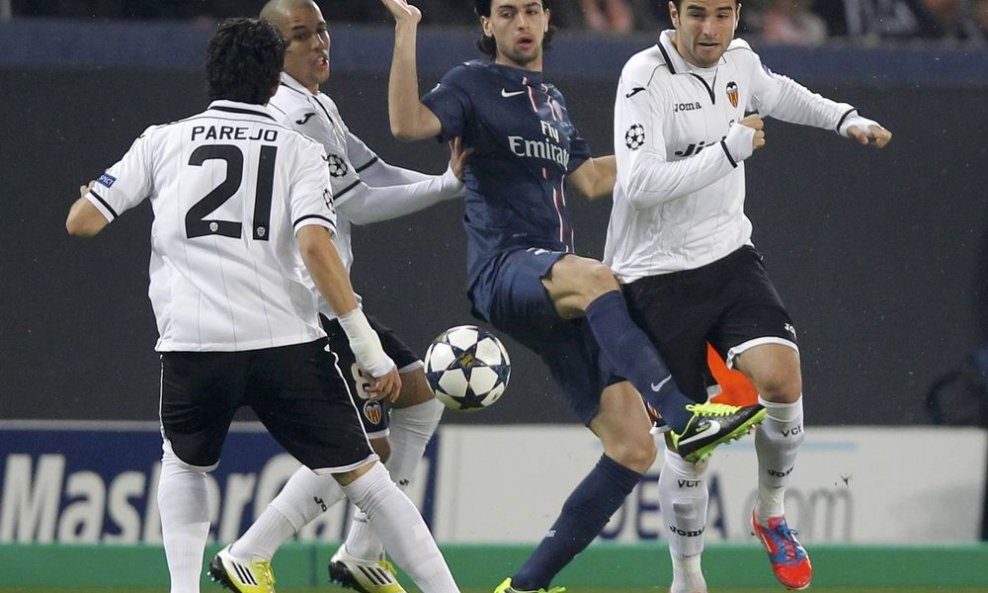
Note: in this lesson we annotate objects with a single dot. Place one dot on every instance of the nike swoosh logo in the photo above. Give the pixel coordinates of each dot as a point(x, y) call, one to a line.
point(657, 386)
point(634, 92)
point(713, 425)
point(508, 94)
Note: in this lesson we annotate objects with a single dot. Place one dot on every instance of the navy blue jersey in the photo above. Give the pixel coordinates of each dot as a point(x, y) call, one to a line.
point(524, 146)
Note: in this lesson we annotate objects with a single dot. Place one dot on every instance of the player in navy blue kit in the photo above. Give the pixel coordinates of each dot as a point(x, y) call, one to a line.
point(523, 276)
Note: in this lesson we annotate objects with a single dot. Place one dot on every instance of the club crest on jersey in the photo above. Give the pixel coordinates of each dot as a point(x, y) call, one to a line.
point(337, 166)
point(106, 180)
point(732, 93)
point(634, 138)
point(373, 411)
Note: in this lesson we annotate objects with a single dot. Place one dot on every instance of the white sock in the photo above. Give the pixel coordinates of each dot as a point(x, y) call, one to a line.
point(411, 429)
point(398, 523)
point(776, 443)
point(683, 500)
point(184, 509)
point(305, 496)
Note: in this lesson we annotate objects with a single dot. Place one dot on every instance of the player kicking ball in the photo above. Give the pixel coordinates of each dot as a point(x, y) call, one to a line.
point(523, 275)
point(688, 113)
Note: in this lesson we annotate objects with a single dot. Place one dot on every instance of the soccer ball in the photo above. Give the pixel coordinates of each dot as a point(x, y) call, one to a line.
point(467, 368)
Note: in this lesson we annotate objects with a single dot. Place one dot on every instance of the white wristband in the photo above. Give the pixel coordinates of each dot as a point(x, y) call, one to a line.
point(739, 141)
point(365, 344)
point(863, 123)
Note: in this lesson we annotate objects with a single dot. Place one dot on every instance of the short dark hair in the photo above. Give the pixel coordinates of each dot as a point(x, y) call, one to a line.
point(488, 45)
point(244, 61)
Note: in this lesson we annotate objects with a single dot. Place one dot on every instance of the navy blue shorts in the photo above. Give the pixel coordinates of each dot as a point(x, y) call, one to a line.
point(517, 304)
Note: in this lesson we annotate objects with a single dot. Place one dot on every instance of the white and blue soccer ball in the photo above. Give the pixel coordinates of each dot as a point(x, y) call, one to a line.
point(467, 368)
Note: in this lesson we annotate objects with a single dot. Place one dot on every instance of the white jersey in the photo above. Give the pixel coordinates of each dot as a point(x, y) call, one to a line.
point(352, 167)
point(679, 197)
point(229, 188)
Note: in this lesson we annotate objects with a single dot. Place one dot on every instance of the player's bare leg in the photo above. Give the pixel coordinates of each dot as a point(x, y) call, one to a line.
point(414, 418)
point(774, 370)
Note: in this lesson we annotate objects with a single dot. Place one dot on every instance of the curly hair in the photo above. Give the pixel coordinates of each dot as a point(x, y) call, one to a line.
point(488, 45)
point(244, 61)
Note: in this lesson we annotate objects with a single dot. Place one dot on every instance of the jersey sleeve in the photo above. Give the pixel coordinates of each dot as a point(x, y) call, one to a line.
point(360, 154)
point(450, 101)
point(310, 200)
point(782, 98)
point(579, 148)
point(128, 182)
point(644, 170)
point(343, 175)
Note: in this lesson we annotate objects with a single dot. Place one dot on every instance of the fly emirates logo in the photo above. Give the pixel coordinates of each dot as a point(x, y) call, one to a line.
point(546, 149)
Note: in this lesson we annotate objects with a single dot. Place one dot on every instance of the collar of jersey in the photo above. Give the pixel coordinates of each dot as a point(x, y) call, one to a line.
point(289, 81)
point(678, 65)
point(534, 77)
point(243, 108)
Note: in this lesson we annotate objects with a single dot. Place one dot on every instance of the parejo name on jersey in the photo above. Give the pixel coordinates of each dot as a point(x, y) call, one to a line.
point(200, 133)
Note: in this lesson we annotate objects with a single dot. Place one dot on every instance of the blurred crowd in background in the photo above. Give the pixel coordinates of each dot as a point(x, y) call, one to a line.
point(793, 22)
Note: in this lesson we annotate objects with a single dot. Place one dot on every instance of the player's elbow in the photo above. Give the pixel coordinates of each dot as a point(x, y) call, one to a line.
point(403, 132)
point(78, 226)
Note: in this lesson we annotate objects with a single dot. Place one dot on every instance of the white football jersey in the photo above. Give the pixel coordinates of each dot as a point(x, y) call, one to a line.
point(229, 188)
point(317, 117)
point(679, 197)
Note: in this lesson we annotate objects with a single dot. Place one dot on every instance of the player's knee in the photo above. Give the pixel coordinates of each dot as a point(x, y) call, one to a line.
point(637, 454)
point(382, 446)
point(781, 387)
point(414, 389)
point(600, 278)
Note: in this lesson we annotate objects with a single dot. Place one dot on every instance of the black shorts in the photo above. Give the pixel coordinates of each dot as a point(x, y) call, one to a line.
point(373, 414)
point(297, 392)
point(730, 303)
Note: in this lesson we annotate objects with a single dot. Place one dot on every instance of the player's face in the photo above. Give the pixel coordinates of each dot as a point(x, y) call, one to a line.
point(518, 28)
point(704, 29)
point(307, 52)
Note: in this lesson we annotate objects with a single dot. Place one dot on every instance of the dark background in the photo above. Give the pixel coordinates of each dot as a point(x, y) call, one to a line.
point(875, 253)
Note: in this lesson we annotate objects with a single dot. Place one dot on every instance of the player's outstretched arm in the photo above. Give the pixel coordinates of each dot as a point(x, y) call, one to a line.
point(595, 177)
point(84, 219)
point(410, 119)
point(330, 277)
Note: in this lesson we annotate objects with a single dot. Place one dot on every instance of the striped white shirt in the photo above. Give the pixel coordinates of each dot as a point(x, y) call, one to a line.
point(229, 188)
point(679, 197)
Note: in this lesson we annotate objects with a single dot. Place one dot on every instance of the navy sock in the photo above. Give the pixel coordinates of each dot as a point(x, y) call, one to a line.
point(584, 515)
point(634, 357)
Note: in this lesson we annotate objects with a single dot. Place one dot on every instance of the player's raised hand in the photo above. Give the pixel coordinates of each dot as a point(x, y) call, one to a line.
point(458, 156)
point(870, 135)
point(755, 122)
point(386, 386)
point(403, 11)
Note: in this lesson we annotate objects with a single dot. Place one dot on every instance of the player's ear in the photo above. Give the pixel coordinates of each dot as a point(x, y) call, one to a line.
point(673, 14)
point(485, 26)
point(737, 17)
point(545, 27)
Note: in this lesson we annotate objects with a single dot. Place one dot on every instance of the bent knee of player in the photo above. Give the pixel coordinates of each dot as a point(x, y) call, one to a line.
point(579, 281)
point(414, 389)
point(382, 446)
point(782, 386)
point(635, 453)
